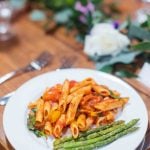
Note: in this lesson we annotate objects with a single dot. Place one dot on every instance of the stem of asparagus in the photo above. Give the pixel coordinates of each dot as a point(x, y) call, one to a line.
point(66, 139)
point(107, 141)
point(99, 138)
point(88, 138)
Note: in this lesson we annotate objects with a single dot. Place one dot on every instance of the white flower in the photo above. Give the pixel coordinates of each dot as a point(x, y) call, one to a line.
point(105, 40)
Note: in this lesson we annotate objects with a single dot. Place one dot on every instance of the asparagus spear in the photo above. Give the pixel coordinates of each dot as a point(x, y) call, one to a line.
point(99, 138)
point(70, 138)
point(88, 138)
point(103, 132)
point(107, 141)
point(91, 136)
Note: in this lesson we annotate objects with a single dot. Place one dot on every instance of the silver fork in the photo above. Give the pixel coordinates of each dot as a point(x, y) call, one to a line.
point(37, 64)
point(65, 63)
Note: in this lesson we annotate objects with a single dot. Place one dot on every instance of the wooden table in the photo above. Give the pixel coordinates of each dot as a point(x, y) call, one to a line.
point(31, 42)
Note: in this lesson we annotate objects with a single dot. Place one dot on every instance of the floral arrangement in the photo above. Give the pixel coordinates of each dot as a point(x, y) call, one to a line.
point(112, 45)
point(80, 15)
point(120, 51)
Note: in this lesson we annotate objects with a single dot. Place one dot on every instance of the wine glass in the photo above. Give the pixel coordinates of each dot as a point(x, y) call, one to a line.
point(5, 18)
point(143, 12)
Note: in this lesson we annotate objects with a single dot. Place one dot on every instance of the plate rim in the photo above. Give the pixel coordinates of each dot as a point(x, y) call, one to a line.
point(84, 69)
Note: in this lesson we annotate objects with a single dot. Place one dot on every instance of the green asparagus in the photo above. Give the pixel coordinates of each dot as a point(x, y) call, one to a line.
point(107, 141)
point(98, 138)
point(66, 139)
point(103, 132)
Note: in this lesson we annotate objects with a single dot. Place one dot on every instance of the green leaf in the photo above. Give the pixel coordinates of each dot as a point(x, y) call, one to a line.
point(146, 24)
point(39, 133)
point(124, 57)
point(138, 32)
point(108, 69)
point(143, 46)
point(37, 15)
point(63, 16)
point(124, 73)
point(96, 17)
point(113, 95)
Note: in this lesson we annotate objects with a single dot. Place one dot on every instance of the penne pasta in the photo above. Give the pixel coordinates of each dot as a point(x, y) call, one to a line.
point(100, 121)
point(47, 108)
point(90, 113)
point(88, 81)
point(101, 90)
point(63, 97)
point(39, 112)
point(60, 124)
point(81, 122)
point(74, 129)
point(124, 99)
point(85, 90)
point(110, 116)
point(33, 104)
point(89, 122)
point(48, 128)
point(109, 104)
point(71, 112)
point(54, 106)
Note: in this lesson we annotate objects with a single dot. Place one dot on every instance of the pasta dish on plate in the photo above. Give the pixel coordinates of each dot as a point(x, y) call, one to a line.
point(73, 105)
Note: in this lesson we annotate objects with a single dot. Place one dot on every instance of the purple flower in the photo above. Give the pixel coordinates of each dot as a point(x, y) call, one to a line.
point(90, 6)
point(84, 9)
point(82, 18)
point(79, 7)
point(116, 24)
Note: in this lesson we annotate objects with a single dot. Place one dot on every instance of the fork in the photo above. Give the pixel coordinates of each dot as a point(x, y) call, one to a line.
point(41, 61)
point(65, 63)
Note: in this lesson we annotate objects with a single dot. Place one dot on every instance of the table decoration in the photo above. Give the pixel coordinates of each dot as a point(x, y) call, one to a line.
point(116, 47)
point(78, 15)
point(132, 56)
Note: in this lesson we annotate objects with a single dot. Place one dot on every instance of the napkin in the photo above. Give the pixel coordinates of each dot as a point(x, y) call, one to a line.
point(144, 74)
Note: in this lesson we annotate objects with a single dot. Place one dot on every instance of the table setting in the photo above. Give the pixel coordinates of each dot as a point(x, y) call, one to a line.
point(85, 46)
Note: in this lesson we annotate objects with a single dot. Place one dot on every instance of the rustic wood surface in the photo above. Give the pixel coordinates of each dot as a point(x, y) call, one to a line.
point(30, 42)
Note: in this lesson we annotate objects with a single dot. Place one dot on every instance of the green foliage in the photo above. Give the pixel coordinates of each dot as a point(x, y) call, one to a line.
point(63, 16)
point(39, 133)
point(143, 46)
point(31, 124)
point(146, 24)
point(138, 32)
point(58, 4)
point(124, 57)
point(124, 73)
point(107, 69)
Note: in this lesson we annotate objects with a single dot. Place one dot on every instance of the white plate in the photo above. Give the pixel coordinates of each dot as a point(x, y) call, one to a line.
point(15, 114)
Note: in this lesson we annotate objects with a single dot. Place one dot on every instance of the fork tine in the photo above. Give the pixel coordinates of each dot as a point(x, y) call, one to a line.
point(44, 58)
point(41, 61)
point(67, 62)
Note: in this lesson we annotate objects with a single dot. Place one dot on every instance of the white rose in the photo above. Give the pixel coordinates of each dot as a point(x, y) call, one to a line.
point(105, 40)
